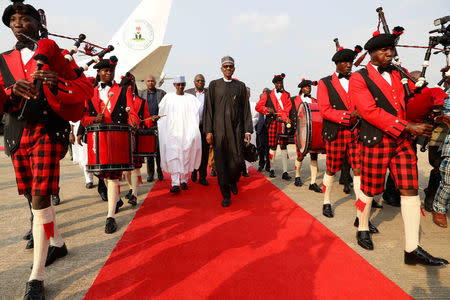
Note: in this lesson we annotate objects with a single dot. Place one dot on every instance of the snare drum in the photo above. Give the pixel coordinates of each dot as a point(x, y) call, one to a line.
point(309, 129)
point(145, 142)
point(109, 147)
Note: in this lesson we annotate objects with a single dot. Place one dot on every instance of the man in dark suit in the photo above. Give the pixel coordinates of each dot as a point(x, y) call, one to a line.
point(153, 97)
point(262, 140)
point(201, 93)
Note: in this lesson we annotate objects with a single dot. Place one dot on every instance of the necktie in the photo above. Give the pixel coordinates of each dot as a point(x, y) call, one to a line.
point(279, 91)
point(307, 95)
point(344, 76)
point(104, 84)
point(20, 45)
point(388, 69)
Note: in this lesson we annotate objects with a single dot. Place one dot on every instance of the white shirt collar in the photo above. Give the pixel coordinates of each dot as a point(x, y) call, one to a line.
point(226, 80)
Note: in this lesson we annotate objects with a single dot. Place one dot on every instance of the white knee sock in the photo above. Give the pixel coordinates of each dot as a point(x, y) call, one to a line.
point(327, 186)
point(88, 176)
point(128, 178)
point(272, 158)
point(298, 167)
point(42, 225)
point(175, 179)
point(313, 166)
point(113, 196)
point(411, 220)
point(364, 205)
point(136, 180)
point(357, 189)
point(284, 159)
point(57, 239)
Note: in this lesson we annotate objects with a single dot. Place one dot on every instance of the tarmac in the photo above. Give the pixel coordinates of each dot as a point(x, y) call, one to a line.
point(81, 220)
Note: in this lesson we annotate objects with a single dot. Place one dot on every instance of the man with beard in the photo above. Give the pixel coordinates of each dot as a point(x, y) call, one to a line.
point(226, 118)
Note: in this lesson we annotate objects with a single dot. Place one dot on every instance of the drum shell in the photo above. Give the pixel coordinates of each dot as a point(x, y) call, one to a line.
point(109, 147)
point(145, 142)
point(309, 129)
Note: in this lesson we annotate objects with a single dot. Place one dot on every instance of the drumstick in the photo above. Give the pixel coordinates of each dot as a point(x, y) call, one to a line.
point(152, 117)
point(107, 102)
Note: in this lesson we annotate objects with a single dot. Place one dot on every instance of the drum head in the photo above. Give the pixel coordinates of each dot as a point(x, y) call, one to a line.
point(304, 128)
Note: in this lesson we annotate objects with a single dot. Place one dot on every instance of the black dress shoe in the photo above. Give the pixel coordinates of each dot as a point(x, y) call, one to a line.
point(286, 176)
point(298, 181)
point(314, 187)
point(372, 227)
point(194, 176)
point(260, 169)
point(347, 188)
point(28, 235)
point(420, 256)
point(55, 200)
point(111, 225)
point(203, 181)
point(272, 174)
point(30, 244)
point(150, 179)
point(175, 189)
point(226, 202)
point(128, 195)
point(54, 253)
point(104, 196)
point(119, 204)
point(132, 200)
point(364, 239)
point(160, 176)
point(34, 290)
point(375, 204)
point(90, 185)
point(213, 173)
point(392, 201)
point(326, 211)
point(234, 188)
point(184, 186)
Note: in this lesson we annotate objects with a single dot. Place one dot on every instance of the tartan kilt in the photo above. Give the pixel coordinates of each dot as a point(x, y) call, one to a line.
point(36, 162)
point(274, 139)
point(441, 202)
point(110, 174)
point(395, 154)
point(346, 145)
point(137, 162)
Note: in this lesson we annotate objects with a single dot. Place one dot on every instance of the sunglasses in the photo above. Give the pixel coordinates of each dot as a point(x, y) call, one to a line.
point(228, 66)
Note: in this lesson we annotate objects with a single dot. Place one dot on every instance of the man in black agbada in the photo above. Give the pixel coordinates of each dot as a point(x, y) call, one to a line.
point(226, 117)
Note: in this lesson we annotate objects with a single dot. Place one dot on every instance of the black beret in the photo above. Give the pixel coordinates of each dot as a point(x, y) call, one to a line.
point(306, 82)
point(379, 41)
point(19, 7)
point(126, 79)
point(277, 78)
point(106, 63)
point(346, 54)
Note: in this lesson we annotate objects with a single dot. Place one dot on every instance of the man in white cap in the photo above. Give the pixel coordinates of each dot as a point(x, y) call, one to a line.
point(179, 135)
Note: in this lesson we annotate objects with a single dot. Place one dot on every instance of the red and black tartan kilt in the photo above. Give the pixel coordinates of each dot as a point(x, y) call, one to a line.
point(345, 145)
point(274, 139)
point(138, 161)
point(110, 174)
point(36, 162)
point(395, 154)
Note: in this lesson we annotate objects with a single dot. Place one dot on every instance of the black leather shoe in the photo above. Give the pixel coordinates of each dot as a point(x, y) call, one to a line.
point(245, 173)
point(260, 169)
point(54, 253)
point(347, 188)
point(272, 174)
point(298, 181)
point(392, 201)
point(364, 239)
point(132, 200)
point(150, 179)
point(175, 189)
point(111, 225)
point(226, 202)
point(234, 188)
point(28, 235)
point(420, 256)
point(375, 204)
point(160, 176)
point(128, 195)
point(30, 244)
point(104, 196)
point(203, 181)
point(184, 186)
point(119, 204)
point(34, 290)
point(326, 211)
point(194, 176)
point(90, 185)
point(213, 173)
point(55, 200)
point(286, 176)
point(372, 227)
point(314, 187)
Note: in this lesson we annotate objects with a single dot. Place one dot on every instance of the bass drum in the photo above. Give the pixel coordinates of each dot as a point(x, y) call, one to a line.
point(309, 129)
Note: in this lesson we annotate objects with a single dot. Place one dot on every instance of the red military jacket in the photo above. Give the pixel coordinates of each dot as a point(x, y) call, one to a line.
point(142, 111)
point(366, 104)
point(98, 105)
point(299, 100)
point(283, 112)
point(326, 110)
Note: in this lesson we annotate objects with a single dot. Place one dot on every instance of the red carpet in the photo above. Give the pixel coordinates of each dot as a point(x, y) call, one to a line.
point(2, 148)
point(264, 246)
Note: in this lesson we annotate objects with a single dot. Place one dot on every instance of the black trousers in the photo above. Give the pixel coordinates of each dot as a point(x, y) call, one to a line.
point(434, 158)
point(262, 143)
point(225, 190)
point(205, 155)
point(345, 177)
point(151, 161)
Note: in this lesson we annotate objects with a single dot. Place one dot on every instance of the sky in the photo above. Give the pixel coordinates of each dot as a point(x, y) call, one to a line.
point(264, 37)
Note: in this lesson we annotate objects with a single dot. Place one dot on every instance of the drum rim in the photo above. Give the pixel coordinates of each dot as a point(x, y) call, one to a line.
point(107, 127)
point(308, 138)
point(110, 167)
